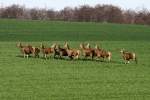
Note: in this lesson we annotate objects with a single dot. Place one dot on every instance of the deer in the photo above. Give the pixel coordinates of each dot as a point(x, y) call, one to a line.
point(58, 51)
point(46, 51)
point(26, 50)
point(87, 52)
point(127, 56)
point(100, 53)
point(36, 52)
point(72, 53)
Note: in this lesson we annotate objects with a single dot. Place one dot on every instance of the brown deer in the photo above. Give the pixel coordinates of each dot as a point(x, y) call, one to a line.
point(46, 51)
point(87, 52)
point(127, 56)
point(72, 53)
point(26, 50)
point(36, 52)
point(58, 51)
point(100, 53)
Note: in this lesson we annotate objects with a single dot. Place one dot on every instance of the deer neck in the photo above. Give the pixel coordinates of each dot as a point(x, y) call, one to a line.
point(68, 47)
point(20, 46)
point(83, 47)
point(42, 47)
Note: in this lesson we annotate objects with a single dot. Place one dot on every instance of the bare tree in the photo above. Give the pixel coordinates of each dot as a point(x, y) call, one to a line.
point(99, 14)
point(67, 14)
point(51, 14)
point(142, 17)
point(34, 14)
point(14, 11)
point(85, 13)
point(129, 16)
point(112, 14)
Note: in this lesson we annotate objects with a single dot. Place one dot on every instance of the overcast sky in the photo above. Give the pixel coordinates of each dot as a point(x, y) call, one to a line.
point(60, 4)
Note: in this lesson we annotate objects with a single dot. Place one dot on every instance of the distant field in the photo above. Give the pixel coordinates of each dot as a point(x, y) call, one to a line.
point(14, 30)
point(54, 79)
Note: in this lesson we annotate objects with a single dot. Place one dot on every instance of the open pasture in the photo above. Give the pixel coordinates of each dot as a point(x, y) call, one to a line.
point(55, 79)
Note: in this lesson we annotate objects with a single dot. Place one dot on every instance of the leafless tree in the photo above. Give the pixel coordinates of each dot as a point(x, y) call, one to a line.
point(51, 14)
point(14, 11)
point(85, 13)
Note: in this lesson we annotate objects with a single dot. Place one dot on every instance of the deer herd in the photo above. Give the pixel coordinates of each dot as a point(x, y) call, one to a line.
point(85, 51)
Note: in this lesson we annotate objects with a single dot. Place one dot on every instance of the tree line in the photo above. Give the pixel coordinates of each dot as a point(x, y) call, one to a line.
point(84, 13)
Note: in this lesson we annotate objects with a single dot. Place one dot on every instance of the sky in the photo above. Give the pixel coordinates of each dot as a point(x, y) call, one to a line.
point(60, 4)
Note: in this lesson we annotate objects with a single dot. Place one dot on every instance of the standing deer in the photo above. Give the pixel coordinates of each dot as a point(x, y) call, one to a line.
point(100, 53)
point(87, 52)
point(36, 52)
point(127, 56)
point(46, 51)
point(58, 51)
point(72, 53)
point(26, 50)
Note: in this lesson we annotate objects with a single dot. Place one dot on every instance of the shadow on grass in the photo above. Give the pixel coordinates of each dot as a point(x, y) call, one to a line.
point(80, 59)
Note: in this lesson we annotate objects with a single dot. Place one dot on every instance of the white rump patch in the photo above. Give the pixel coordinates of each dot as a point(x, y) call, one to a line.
point(133, 55)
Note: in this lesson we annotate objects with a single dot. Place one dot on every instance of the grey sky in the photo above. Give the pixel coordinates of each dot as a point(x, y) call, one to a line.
point(59, 4)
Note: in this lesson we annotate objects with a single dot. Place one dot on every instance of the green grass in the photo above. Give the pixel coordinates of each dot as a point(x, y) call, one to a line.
point(22, 30)
point(54, 79)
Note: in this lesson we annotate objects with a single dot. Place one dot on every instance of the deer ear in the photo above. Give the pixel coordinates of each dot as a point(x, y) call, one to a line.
point(18, 44)
point(65, 42)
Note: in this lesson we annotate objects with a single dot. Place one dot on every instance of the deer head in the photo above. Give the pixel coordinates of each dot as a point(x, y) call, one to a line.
point(122, 50)
point(42, 46)
point(82, 46)
point(54, 45)
point(19, 45)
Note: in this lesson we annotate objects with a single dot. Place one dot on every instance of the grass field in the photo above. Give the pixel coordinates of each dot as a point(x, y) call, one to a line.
point(54, 79)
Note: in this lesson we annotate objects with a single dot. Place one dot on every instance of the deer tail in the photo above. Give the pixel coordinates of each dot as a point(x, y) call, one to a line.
point(109, 56)
point(135, 58)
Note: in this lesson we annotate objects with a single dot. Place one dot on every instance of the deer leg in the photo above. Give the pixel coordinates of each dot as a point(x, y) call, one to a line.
point(61, 54)
point(109, 58)
point(27, 56)
point(54, 56)
point(77, 57)
point(38, 56)
point(103, 59)
point(34, 55)
point(91, 55)
point(125, 62)
point(45, 56)
point(24, 55)
point(85, 57)
point(71, 57)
